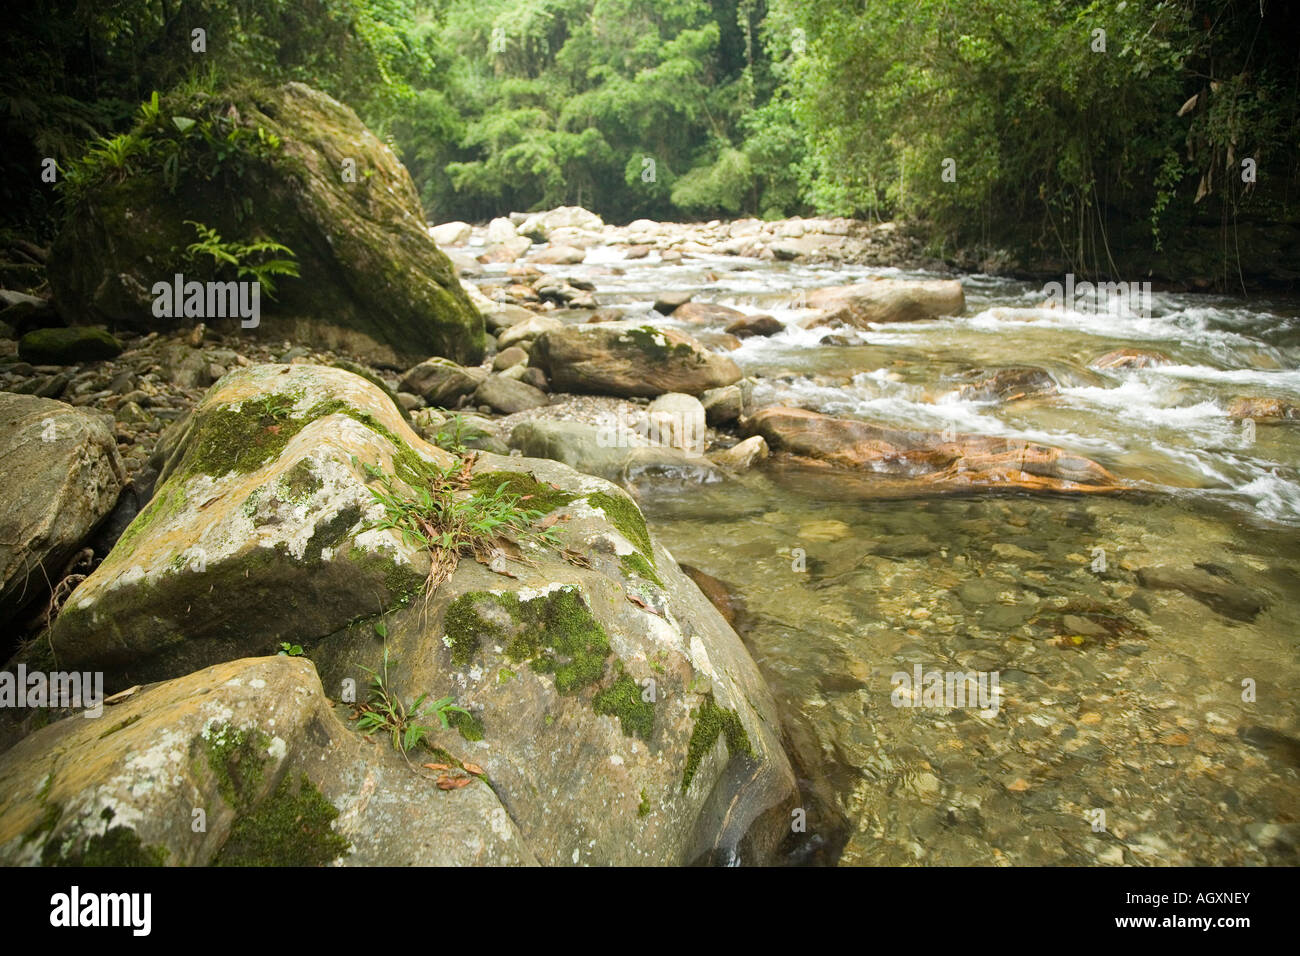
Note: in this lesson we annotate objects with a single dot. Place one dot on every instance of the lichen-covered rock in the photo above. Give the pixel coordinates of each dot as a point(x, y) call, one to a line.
point(67, 346)
point(626, 359)
point(258, 531)
point(60, 474)
point(310, 176)
point(621, 455)
point(617, 714)
point(241, 764)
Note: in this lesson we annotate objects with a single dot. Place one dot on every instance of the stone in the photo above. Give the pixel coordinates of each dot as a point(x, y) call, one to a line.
point(678, 421)
point(441, 381)
point(68, 346)
point(1263, 410)
point(559, 255)
point(1130, 358)
point(722, 406)
point(507, 396)
point(703, 312)
point(667, 302)
point(527, 330)
point(60, 476)
point(372, 281)
point(742, 456)
point(451, 233)
point(756, 325)
point(513, 355)
point(887, 300)
point(1009, 385)
point(629, 360)
point(501, 229)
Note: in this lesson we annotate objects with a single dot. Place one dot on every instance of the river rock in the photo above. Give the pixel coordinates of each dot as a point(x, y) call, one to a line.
point(372, 280)
point(887, 300)
point(1216, 588)
point(636, 252)
point(1009, 384)
point(60, 475)
point(507, 251)
point(723, 405)
point(451, 233)
point(1263, 409)
point(667, 302)
point(1130, 358)
point(256, 745)
point(527, 330)
point(501, 229)
point(628, 360)
point(748, 325)
point(706, 312)
point(67, 346)
point(742, 456)
point(559, 255)
point(542, 224)
point(508, 396)
point(440, 381)
point(508, 357)
point(887, 461)
point(678, 421)
point(621, 455)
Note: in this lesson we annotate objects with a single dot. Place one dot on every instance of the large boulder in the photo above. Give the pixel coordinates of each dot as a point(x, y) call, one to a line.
point(307, 173)
point(612, 451)
point(887, 461)
point(626, 359)
point(887, 300)
point(265, 491)
point(272, 769)
point(616, 715)
point(60, 475)
point(542, 224)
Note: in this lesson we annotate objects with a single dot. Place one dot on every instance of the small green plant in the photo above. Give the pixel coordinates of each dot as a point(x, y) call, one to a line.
point(384, 711)
point(290, 650)
point(454, 433)
point(243, 257)
point(437, 509)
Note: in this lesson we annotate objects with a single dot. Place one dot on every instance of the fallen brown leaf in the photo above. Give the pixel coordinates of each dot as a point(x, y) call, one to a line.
point(474, 769)
point(438, 766)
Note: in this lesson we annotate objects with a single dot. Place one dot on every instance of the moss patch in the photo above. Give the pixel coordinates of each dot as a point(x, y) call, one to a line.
point(626, 518)
point(652, 343)
point(467, 725)
point(67, 346)
point(290, 828)
point(116, 846)
point(539, 496)
point(624, 701)
point(554, 634)
point(711, 722)
point(237, 759)
point(636, 565)
point(120, 725)
point(300, 482)
point(643, 808)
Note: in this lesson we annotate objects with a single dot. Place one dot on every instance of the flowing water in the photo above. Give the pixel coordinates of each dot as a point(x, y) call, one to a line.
point(1145, 644)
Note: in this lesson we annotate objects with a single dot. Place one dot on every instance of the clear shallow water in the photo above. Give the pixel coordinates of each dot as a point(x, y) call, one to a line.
point(1122, 687)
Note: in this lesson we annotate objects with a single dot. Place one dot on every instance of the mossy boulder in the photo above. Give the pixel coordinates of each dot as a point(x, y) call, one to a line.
point(68, 346)
point(60, 475)
point(306, 173)
point(259, 531)
point(245, 763)
point(627, 359)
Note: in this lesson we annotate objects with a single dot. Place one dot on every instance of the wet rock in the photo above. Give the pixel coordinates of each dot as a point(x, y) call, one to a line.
point(887, 300)
point(723, 405)
point(507, 251)
point(451, 233)
point(501, 229)
point(60, 474)
point(1263, 409)
point(743, 455)
point(1009, 385)
point(720, 595)
point(508, 396)
point(68, 346)
point(629, 360)
point(668, 302)
point(1216, 588)
point(528, 331)
point(559, 255)
point(543, 224)
point(756, 325)
point(707, 312)
point(678, 421)
point(1130, 358)
point(888, 461)
point(636, 252)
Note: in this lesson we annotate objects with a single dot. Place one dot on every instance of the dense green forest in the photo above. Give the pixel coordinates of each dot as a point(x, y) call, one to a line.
point(1074, 128)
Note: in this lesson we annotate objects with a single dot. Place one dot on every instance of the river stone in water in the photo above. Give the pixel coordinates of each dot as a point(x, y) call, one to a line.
point(619, 358)
point(372, 280)
point(619, 455)
point(257, 532)
point(888, 461)
point(887, 300)
point(278, 774)
point(556, 657)
point(60, 474)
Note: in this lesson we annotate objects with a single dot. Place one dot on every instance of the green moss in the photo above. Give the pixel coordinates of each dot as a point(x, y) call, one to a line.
point(643, 808)
point(67, 346)
point(292, 827)
point(301, 482)
point(330, 534)
point(166, 502)
point(536, 495)
point(120, 725)
point(467, 725)
point(554, 634)
point(401, 580)
point(237, 759)
point(243, 438)
point(375, 380)
point(652, 343)
point(635, 564)
point(626, 517)
point(116, 846)
point(505, 675)
point(711, 722)
point(623, 700)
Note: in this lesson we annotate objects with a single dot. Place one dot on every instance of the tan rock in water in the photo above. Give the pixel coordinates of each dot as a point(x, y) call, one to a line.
point(887, 300)
point(1263, 409)
point(1009, 384)
point(1130, 358)
point(890, 461)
